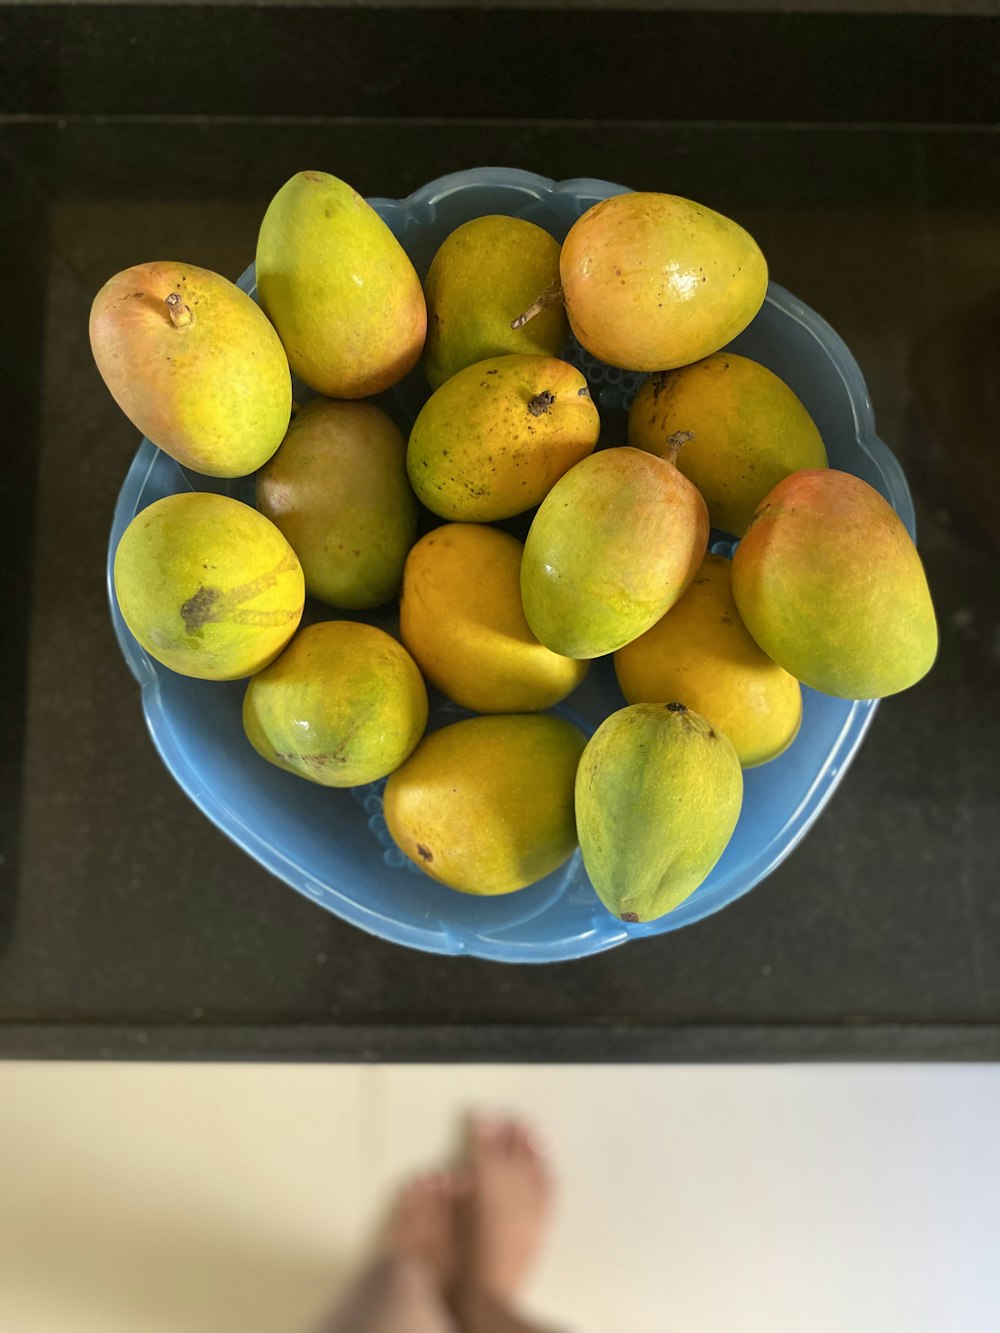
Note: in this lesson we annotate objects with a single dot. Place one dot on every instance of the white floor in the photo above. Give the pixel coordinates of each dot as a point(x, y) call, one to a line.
point(235, 1199)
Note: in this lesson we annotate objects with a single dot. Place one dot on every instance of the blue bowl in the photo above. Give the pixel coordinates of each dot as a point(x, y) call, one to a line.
point(332, 845)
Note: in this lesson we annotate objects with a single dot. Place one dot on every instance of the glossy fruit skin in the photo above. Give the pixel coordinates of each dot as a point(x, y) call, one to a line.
point(737, 430)
point(208, 384)
point(658, 794)
point(830, 585)
point(337, 488)
point(496, 437)
point(343, 705)
point(461, 617)
point(208, 586)
point(614, 544)
point(339, 288)
point(700, 654)
point(486, 805)
point(483, 276)
point(653, 281)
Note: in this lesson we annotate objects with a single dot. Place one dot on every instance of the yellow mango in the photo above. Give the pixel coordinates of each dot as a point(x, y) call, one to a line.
point(337, 489)
point(486, 805)
point(652, 281)
point(461, 618)
point(482, 277)
point(830, 585)
point(343, 705)
point(194, 364)
point(492, 441)
point(736, 430)
point(339, 288)
point(612, 547)
point(208, 586)
point(701, 655)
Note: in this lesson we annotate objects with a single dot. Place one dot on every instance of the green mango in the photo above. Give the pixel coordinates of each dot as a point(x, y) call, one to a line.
point(339, 288)
point(735, 427)
point(492, 441)
point(337, 489)
point(658, 794)
point(343, 705)
point(830, 585)
point(614, 544)
point(482, 277)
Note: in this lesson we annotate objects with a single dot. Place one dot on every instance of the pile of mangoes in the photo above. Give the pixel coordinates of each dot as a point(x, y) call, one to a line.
point(825, 588)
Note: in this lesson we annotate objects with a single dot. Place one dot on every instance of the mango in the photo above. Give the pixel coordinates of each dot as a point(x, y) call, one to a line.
point(701, 655)
point(658, 794)
point(736, 428)
point(486, 805)
point(614, 544)
point(483, 275)
point(830, 585)
point(652, 281)
point(461, 618)
point(339, 288)
point(343, 705)
point(194, 364)
point(337, 489)
point(492, 441)
point(208, 586)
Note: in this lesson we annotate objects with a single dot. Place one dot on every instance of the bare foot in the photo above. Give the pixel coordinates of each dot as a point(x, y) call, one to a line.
point(506, 1208)
point(423, 1225)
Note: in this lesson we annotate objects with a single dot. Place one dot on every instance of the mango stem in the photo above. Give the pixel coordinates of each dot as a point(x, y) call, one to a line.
point(552, 295)
point(180, 314)
point(675, 443)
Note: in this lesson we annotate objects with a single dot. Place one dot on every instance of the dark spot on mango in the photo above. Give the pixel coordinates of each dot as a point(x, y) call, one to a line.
point(197, 610)
point(759, 514)
point(630, 916)
point(676, 708)
point(583, 393)
point(424, 853)
point(541, 403)
point(725, 620)
point(491, 372)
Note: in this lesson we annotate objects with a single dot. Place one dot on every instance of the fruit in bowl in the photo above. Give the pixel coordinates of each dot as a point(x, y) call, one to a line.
point(473, 629)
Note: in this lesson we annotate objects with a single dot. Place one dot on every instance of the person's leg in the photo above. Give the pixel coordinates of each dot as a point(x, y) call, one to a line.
point(502, 1221)
point(404, 1288)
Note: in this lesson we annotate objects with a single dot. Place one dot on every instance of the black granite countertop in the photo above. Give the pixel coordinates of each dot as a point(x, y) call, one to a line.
point(128, 925)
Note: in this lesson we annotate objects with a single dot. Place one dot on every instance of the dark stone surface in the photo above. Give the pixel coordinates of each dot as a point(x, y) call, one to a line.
point(525, 64)
point(129, 926)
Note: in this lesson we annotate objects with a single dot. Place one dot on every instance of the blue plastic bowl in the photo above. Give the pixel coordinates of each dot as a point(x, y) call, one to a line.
point(332, 845)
